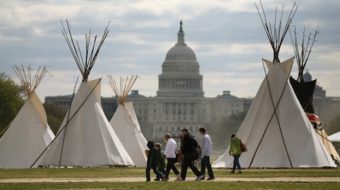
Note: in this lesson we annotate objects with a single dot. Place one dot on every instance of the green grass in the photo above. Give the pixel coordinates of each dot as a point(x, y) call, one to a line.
point(175, 186)
point(137, 172)
point(70, 173)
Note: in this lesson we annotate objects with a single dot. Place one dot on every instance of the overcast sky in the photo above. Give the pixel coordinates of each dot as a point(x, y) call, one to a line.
point(227, 37)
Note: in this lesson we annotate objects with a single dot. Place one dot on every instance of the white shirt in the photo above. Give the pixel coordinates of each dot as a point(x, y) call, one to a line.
point(206, 146)
point(170, 148)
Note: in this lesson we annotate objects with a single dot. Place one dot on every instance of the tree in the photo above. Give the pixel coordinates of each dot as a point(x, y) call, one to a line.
point(55, 115)
point(10, 101)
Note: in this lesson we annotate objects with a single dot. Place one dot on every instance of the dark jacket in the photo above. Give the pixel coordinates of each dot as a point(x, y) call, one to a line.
point(189, 144)
point(152, 154)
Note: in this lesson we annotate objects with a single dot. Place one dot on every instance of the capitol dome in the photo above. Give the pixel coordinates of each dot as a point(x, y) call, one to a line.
point(180, 52)
point(307, 77)
point(180, 71)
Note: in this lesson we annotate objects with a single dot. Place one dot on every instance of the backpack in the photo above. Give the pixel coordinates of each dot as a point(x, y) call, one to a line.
point(194, 155)
point(243, 147)
point(194, 142)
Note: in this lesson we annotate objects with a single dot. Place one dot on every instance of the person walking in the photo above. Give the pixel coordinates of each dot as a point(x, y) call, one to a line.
point(170, 154)
point(189, 151)
point(206, 150)
point(152, 162)
point(235, 151)
point(160, 161)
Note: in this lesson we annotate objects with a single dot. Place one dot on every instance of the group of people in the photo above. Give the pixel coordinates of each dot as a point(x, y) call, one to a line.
point(189, 152)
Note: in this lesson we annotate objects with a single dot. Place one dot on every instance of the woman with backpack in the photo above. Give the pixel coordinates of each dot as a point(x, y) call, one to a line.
point(235, 150)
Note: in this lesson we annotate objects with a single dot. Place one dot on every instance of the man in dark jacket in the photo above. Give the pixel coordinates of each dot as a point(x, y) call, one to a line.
point(152, 162)
point(190, 154)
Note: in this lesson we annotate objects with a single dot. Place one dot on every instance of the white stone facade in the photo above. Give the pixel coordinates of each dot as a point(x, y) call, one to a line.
point(180, 101)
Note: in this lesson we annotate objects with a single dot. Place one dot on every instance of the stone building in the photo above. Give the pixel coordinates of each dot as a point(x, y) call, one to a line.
point(325, 106)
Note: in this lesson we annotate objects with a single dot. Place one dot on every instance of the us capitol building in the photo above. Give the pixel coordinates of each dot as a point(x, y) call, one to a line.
point(180, 100)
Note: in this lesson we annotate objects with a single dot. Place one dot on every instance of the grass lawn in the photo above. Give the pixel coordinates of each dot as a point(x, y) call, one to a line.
point(175, 186)
point(138, 172)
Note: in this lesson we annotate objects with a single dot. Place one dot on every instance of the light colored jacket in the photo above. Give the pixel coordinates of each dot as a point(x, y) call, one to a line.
point(170, 148)
point(235, 146)
point(207, 146)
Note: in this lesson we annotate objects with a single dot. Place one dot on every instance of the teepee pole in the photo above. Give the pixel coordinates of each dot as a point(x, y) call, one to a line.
point(323, 137)
point(122, 92)
point(275, 32)
point(67, 122)
point(271, 118)
point(28, 82)
point(4, 129)
point(68, 116)
point(125, 86)
point(84, 60)
point(302, 55)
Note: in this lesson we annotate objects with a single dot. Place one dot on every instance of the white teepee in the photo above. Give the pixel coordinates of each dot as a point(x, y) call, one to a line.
point(29, 133)
point(281, 137)
point(125, 124)
point(304, 90)
point(86, 137)
point(335, 137)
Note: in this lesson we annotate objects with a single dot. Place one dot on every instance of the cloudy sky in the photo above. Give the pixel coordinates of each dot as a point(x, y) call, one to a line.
point(227, 37)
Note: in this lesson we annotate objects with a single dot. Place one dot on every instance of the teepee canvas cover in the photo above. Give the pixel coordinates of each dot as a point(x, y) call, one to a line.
point(88, 140)
point(281, 137)
point(125, 123)
point(304, 91)
point(29, 133)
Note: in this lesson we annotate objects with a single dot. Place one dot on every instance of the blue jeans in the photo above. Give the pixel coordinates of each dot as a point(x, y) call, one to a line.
point(236, 163)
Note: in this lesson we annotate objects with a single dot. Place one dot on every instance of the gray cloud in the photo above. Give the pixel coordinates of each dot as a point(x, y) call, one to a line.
point(227, 37)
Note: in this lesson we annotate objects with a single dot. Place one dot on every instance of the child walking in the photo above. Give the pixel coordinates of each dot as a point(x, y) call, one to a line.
point(160, 159)
point(152, 162)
